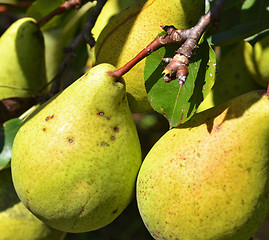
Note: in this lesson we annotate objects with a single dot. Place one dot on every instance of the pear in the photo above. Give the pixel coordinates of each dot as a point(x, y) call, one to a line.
point(208, 178)
point(133, 29)
point(256, 59)
point(74, 162)
point(16, 222)
point(22, 60)
point(232, 77)
point(111, 8)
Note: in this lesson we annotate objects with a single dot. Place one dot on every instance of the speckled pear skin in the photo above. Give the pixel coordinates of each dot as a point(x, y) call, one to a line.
point(23, 71)
point(208, 179)
point(132, 30)
point(75, 162)
point(16, 221)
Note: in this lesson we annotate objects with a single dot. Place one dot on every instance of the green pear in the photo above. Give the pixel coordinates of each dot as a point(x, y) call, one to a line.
point(22, 61)
point(16, 222)
point(208, 178)
point(256, 59)
point(133, 29)
point(74, 162)
point(232, 77)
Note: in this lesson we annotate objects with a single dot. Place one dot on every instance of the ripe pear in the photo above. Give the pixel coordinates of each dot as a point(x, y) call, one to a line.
point(256, 59)
point(133, 29)
point(22, 61)
point(232, 77)
point(208, 178)
point(16, 222)
point(75, 161)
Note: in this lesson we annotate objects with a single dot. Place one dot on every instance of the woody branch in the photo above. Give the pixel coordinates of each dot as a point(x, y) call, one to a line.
point(177, 67)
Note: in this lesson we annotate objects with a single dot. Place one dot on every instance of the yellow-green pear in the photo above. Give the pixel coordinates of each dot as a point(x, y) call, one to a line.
point(232, 77)
point(22, 61)
point(16, 222)
point(132, 30)
point(256, 59)
point(74, 163)
point(208, 178)
point(111, 8)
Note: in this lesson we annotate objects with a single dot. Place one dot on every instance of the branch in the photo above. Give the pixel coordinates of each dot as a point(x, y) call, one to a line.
point(85, 35)
point(67, 5)
point(172, 35)
point(178, 65)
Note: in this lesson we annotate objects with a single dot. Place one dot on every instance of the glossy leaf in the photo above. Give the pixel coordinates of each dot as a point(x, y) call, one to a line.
point(175, 103)
point(7, 134)
point(239, 33)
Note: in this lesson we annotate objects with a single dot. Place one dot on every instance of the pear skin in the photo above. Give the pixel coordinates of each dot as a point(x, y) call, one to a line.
point(75, 161)
point(16, 222)
point(23, 71)
point(208, 178)
point(132, 30)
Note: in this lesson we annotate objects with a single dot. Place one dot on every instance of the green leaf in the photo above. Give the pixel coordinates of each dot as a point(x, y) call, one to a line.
point(239, 33)
point(7, 134)
point(175, 103)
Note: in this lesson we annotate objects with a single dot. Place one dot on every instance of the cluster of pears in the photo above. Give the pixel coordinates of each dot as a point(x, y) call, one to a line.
point(76, 158)
point(76, 161)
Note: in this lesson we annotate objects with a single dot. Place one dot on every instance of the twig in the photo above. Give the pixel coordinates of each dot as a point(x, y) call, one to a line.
point(67, 5)
point(172, 35)
point(177, 67)
point(85, 35)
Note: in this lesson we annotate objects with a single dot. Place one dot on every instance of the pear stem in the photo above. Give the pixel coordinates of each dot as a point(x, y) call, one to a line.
point(177, 67)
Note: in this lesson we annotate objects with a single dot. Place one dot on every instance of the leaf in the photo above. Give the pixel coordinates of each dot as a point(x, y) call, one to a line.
point(238, 33)
point(178, 105)
point(7, 134)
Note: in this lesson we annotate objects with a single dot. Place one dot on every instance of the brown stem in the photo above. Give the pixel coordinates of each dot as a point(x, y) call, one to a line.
point(172, 35)
point(67, 5)
point(184, 53)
